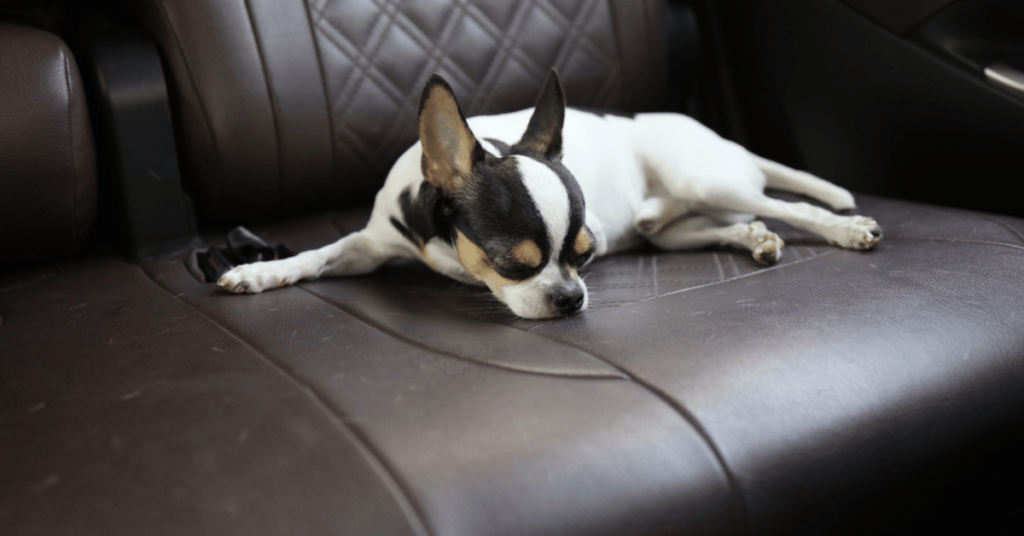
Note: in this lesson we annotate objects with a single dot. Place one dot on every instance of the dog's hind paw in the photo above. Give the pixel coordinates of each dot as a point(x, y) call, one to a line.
point(861, 233)
point(768, 246)
point(251, 279)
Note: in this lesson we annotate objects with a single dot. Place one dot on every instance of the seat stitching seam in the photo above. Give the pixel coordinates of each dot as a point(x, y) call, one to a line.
point(323, 83)
point(195, 90)
point(679, 408)
point(271, 100)
point(742, 276)
point(691, 419)
point(413, 342)
point(391, 481)
point(1009, 228)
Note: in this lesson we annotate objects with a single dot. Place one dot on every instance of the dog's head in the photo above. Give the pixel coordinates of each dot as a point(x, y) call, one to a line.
point(517, 219)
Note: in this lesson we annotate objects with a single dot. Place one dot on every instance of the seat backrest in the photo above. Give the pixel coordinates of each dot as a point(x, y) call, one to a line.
point(47, 157)
point(288, 106)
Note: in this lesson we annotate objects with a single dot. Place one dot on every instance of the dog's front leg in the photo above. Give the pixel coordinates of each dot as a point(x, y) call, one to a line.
point(354, 254)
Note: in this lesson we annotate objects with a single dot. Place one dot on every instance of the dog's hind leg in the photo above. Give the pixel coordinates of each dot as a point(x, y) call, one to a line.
point(354, 254)
point(657, 212)
point(851, 232)
point(787, 179)
point(697, 231)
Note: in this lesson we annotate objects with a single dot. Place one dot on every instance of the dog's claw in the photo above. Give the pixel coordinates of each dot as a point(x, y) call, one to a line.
point(768, 248)
point(769, 251)
point(238, 287)
point(865, 233)
point(249, 279)
point(767, 254)
point(857, 232)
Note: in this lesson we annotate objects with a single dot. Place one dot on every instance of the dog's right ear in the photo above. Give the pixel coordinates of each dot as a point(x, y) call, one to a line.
point(544, 132)
point(449, 148)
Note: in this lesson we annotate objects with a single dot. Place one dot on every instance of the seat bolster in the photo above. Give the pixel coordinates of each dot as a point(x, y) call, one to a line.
point(249, 104)
point(47, 154)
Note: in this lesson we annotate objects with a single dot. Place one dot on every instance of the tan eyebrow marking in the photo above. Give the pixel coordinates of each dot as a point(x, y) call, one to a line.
point(528, 253)
point(583, 243)
point(476, 262)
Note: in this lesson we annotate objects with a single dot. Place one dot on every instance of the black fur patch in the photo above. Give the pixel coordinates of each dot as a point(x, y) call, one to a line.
point(497, 213)
point(543, 135)
point(424, 216)
point(577, 215)
point(577, 204)
point(492, 207)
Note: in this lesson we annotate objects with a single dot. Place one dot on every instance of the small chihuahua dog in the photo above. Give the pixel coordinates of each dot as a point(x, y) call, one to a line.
point(522, 217)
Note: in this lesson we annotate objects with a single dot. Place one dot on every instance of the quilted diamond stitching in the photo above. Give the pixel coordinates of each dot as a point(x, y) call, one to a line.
point(478, 45)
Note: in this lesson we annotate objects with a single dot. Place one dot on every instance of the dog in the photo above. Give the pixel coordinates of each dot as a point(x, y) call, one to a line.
point(523, 217)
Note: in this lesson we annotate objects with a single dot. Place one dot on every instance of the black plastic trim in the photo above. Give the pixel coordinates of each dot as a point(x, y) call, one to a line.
point(129, 106)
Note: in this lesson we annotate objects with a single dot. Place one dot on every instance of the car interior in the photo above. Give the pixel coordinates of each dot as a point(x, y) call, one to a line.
point(148, 145)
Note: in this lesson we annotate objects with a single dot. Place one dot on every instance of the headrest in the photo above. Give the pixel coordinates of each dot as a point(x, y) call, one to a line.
point(47, 157)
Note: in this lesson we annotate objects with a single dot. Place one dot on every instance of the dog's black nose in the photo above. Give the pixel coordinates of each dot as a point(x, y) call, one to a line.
point(568, 299)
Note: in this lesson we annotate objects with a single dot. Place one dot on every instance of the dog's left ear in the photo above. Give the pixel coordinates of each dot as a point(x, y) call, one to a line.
point(450, 150)
point(544, 133)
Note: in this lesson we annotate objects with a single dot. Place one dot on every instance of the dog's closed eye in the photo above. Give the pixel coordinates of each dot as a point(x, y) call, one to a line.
point(528, 253)
point(582, 249)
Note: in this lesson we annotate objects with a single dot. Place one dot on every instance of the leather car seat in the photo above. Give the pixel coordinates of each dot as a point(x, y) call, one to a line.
point(700, 393)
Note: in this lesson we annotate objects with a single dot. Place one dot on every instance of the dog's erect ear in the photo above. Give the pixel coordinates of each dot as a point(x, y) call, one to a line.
point(544, 133)
point(449, 148)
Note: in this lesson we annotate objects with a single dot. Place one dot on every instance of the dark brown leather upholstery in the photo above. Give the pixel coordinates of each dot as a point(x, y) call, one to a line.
point(289, 105)
point(700, 393)
point(47, 159)
point(900, 16)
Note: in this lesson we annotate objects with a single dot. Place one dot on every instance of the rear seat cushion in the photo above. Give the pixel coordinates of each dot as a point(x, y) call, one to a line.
point(700, 393)
point(821, 385)
point(47, 157)
point(140, 399)
point(124, 409)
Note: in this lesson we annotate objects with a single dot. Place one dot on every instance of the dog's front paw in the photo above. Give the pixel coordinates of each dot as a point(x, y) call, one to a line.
point(767, 247)
point(251, 279)
point(861, 233)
